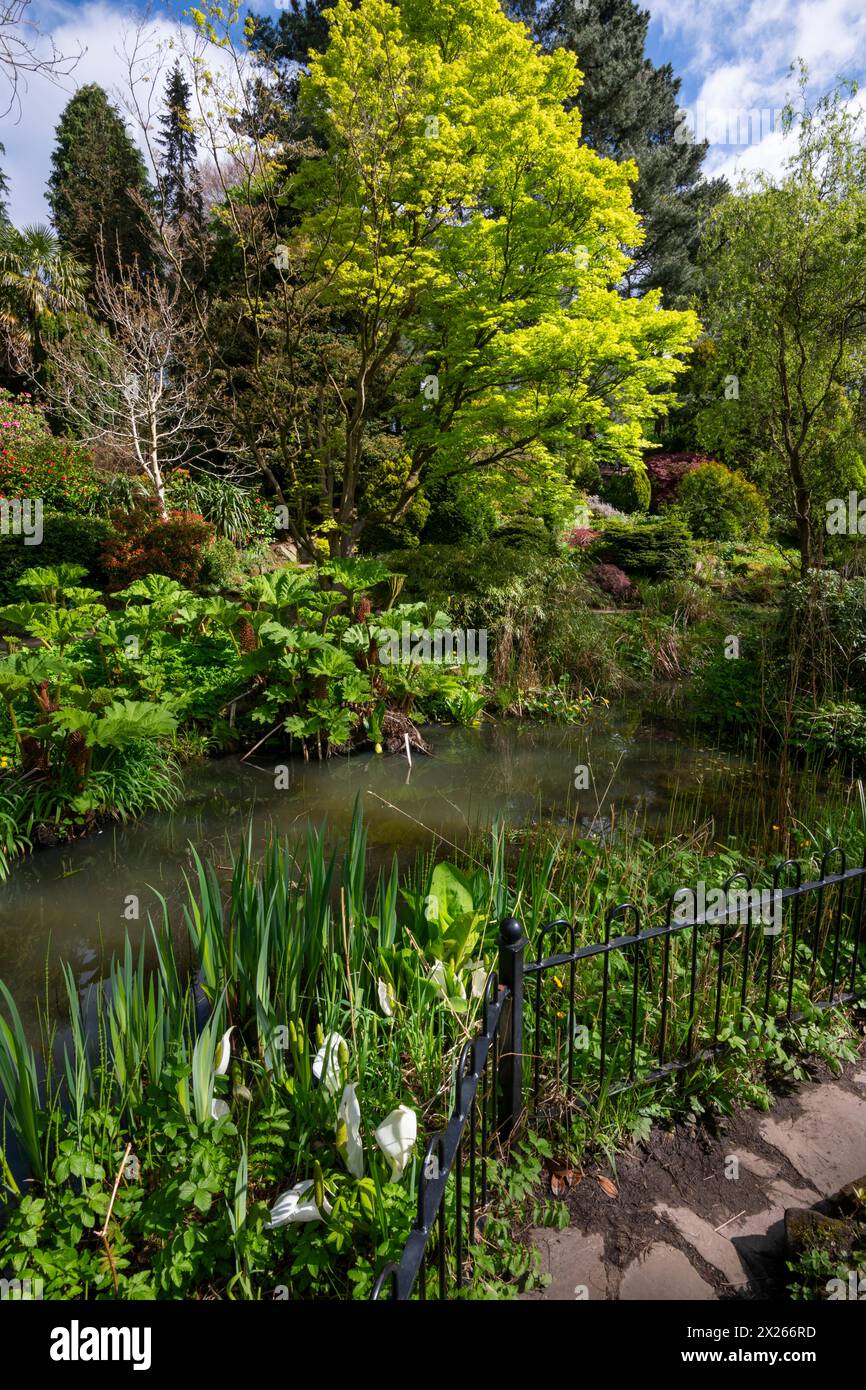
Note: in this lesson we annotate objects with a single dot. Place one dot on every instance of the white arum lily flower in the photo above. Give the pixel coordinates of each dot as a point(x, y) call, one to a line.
point(327, 1066)
point(440, 979)
point(218, 1108)
point(396, 1137)
point(225, 1052)
point(478, 979)
point(296, 1205)
point(437, 975)
point(349, 1145)
point(386, 997)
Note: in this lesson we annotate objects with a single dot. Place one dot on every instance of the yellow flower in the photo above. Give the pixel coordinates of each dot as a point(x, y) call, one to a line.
point(557, 981)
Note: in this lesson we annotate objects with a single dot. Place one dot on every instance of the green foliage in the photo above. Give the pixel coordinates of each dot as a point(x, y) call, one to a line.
point(657, 547)
point(40, 283)
point(535, 607)
point(78, 540)
point(729, 694)
point(178, 181)
point(386, 469)
point(34, 465)
point(529, 535)
point(313, 644)
point(221, 568)
point(22, 419)
point(218, 1120)
point(631, 109)
point(95, 708)
point(220, 1123)
point(785, 261)
point(822, 634)
point(238, 514)
point(837, 731)
point(459, 511)
point(628, 489)
point(502, 336)
point(718, 504)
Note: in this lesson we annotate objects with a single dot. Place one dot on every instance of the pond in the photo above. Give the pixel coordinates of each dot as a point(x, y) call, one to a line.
point(69, 903)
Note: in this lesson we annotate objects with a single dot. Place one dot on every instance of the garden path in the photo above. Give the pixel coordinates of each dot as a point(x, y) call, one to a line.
point(698, 1213)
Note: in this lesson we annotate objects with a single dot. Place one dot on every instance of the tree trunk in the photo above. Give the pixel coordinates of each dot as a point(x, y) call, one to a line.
point(803, 513)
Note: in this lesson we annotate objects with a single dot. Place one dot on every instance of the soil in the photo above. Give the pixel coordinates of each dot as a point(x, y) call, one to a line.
point(684, 1166)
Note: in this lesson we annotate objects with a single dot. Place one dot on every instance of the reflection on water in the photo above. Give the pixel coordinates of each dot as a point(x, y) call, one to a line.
point(69, 903)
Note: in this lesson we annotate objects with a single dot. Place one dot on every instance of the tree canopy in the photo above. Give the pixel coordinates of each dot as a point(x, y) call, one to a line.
point(786, 265)
point(452, 277)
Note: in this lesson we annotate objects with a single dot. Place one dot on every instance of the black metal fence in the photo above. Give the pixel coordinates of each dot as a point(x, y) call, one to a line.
point(577, 1024)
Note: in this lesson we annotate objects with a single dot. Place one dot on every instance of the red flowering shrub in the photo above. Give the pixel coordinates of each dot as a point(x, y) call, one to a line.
point(612, 580)
point(582, 536)
point(143, 543)
point(36, 465)
point(666, 472)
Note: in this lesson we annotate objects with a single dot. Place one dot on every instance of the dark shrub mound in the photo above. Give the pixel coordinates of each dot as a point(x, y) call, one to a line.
point(142, 542)
point(627, 489)
point(71, 540)
point(658, 548)
point(613, 581)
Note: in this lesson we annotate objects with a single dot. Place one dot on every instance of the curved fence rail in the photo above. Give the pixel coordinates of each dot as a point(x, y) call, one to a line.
point(633, 1009)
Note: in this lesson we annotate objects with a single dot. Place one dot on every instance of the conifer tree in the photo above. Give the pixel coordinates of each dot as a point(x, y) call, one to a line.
point(179, 186)
point(98, 184)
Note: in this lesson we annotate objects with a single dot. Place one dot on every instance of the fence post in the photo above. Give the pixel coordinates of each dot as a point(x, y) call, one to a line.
point(512, 947)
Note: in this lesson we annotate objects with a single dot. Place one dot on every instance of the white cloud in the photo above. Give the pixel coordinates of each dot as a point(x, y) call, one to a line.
point(737, 56)
point(97, 28)
point(764, 37)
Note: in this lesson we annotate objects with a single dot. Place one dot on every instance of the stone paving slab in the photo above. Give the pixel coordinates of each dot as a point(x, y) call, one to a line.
point(760, 1237)
point(714, 1246)
point(575, 1263)
point(741, 1247)
point(664, 1275)
point(826, 1140)
point(762, 1167)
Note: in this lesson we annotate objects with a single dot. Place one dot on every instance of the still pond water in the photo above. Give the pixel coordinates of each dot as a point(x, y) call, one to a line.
point(68, 903)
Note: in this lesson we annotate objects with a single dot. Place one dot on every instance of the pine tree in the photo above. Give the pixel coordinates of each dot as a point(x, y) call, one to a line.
point(629, 110)
point(96, 173)
point(180, 188)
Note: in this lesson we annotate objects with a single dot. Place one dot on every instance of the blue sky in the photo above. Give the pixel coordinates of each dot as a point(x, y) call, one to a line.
point(733, 55)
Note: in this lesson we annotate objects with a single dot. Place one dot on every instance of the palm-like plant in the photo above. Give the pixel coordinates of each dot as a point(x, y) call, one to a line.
point(38, 280)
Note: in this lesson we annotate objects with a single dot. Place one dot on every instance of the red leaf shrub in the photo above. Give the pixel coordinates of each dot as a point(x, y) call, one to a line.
point(666, 472)
point(34, 464)
point(582, 536)
point(612, 580)
point(143, 543)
